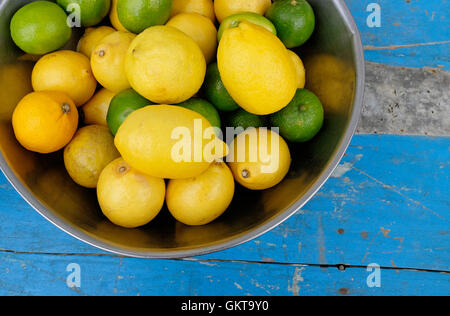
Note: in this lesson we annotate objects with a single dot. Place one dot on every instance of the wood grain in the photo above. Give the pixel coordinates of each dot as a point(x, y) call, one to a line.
point(412, 33)
point(387, 202)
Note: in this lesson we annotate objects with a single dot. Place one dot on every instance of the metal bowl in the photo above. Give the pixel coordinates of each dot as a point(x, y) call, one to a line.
point(335, 66)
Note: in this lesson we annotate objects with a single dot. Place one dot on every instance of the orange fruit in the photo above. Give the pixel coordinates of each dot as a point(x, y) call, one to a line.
point(45, 122)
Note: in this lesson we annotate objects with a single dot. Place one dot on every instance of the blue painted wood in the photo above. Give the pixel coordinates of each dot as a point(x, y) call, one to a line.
point(387, 203)
point(412, 34)
point(23, 274)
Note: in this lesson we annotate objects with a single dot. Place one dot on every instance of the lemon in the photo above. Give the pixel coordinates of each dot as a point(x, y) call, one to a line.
point(200, 29)
point(65, 71)
point(256, 69)
point(299, 68)
point(114, 17)
point(89, 152)
point(91, 38)
point(108, 61)
point(169, 142)
point(165, 65)
point(225, 8)
point(330, 77)
point(201, 200)
point(203, 7)
point(96, 109)
point(259, 159)
point(128, 198)
point(17, 77)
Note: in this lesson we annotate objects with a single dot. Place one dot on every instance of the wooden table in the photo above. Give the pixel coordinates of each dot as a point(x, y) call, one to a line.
point(387, 203)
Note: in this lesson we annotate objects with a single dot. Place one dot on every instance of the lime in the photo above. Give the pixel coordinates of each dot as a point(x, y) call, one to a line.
point(294, 19)
point(235, 19)
point(40, 27)
point(204, 108)
point(138, 15)
point(92, 11)
point(215, 91)
point(302, 119)
point(242, 118)
point(122, 105)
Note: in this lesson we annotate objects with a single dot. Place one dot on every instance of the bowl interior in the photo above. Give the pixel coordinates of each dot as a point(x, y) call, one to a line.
point(331, 58)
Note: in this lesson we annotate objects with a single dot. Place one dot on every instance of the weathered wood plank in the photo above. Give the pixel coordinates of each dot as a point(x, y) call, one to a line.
point(412, 33)
point(23, 274)
point(409, 101)
point(387, 203)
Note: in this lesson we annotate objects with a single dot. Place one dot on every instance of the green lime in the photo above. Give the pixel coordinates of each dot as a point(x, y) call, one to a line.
point(242, 118)
point(122, 105)
point(40, 27)
point(294, 19)
point(302, 119)
point(92, 11)
point(204, 108)
point(235, 19)
point(215, 91)
point(138, 15)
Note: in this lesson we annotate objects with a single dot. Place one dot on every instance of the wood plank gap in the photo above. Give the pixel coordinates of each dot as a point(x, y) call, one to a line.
point(339, 266)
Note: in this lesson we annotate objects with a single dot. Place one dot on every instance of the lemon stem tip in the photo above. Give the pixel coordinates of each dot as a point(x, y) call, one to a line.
point(65, 108)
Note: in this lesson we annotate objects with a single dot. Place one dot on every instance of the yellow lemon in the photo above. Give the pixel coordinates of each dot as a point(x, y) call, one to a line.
point(128, 198)
point(256, 69)
point(203, 7)
point(299, 68)
point(225, 8)
point(89, 152)
point(200, 29)
point(108, 61)
point(15, 83)
point(65, 71)
point(201, 200)
point(91, 38)
point(259, 159)
point(45, 122)
point(96, 110)
point(169, 142)
point(165, 65)
point(332, 79)
point(114, 17)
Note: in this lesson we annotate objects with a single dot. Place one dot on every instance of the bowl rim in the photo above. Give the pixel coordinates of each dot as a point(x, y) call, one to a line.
point(242, 237)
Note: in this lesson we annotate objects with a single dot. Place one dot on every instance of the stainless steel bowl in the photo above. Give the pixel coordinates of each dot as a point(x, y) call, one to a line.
point(335, 65)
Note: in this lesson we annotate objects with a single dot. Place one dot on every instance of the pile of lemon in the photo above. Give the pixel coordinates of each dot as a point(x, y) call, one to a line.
point(138, 107)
